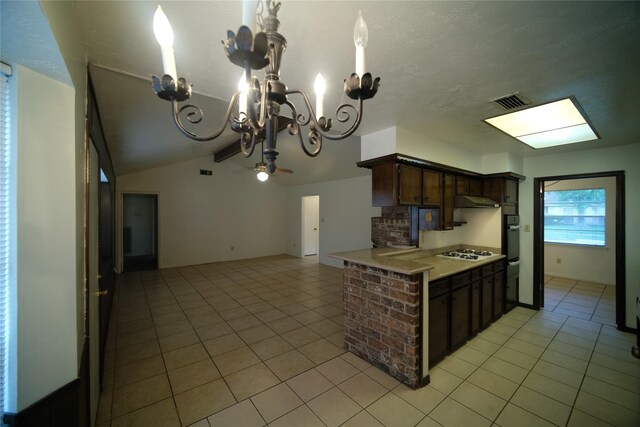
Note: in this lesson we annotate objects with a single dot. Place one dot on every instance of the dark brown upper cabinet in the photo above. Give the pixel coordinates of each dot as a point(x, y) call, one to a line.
point(431, 188)
point(468, 186)
point(410, 185)
point(447, 202)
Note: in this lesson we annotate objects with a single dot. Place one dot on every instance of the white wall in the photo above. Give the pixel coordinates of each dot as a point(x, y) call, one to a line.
point(482, 229)
point(47, 235)
point(345, 216)
point(378, 144)
point(602, 160)
point(201, 217)
point(421, 146)
point(66, 30)
point(589, 263)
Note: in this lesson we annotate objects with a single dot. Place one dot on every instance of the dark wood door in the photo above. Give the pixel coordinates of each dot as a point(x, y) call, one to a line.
point(106, 249)
point(447, 203)
point(487, 301)
point(459, 316)
point(410, 181)
point(476, 315)
point(431, 188)
point(462, 186)
point(498, 294)
point(475, 187)
point(438, 327)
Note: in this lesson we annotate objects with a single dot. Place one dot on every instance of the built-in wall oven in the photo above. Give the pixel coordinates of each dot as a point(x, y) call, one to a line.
point(512, 251)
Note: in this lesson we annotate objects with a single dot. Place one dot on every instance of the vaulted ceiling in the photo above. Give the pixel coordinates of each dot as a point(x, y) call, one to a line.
point(440, 63)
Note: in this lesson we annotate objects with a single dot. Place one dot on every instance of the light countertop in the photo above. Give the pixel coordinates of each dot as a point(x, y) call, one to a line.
point(416, 260)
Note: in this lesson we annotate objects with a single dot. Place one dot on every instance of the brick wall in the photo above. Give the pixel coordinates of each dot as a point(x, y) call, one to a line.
point(382, 319)
point(392, 228)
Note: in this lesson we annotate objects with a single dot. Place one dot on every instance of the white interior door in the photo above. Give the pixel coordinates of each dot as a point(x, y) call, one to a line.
point(94, 281)
point(310, 224)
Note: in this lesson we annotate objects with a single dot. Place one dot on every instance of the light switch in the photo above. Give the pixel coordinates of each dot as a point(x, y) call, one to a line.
point(527, 228)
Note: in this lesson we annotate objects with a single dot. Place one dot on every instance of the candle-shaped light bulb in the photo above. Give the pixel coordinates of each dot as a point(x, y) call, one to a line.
point(164, 35)
point(319, 87)
point(242, 102)
point(249, 8)
point(360, 39)
point(263, 176)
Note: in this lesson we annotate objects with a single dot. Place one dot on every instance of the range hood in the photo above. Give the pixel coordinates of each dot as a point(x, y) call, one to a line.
point(474, 202)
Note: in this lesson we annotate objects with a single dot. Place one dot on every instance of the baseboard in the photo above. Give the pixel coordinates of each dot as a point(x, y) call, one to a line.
point(529, 306)
point(63, 407)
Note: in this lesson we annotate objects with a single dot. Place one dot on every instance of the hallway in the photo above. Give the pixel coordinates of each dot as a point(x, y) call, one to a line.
point(257, 342)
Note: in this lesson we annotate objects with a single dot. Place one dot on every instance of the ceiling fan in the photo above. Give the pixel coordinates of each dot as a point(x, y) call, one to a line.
point(261, 168)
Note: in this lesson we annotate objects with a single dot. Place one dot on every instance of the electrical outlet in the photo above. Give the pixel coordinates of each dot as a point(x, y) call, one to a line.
point(558, 261)
point(527, 228)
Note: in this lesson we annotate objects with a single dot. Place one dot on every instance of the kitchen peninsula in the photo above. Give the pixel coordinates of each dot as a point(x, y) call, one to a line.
point(407, 308)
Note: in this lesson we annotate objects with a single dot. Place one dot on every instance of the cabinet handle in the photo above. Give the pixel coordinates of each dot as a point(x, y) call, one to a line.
point(454, 299)
point(444, 301)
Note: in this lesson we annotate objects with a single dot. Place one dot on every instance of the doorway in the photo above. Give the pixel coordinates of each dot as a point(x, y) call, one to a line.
point(140, 232)
point(310, 225)
point(579, 246)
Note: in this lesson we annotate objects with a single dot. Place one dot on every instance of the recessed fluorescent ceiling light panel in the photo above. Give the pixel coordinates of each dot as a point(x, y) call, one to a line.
point(548, 125)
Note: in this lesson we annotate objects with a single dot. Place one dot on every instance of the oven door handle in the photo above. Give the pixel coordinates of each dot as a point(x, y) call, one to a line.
point(513, 263)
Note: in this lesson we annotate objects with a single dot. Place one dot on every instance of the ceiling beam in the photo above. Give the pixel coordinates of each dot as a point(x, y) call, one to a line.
point(234, 148)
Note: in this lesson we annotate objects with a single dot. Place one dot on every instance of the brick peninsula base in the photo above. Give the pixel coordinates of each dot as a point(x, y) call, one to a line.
point(382, 319)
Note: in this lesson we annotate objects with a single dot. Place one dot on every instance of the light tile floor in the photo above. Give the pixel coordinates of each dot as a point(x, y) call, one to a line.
point(584, 300)
point(257, 342)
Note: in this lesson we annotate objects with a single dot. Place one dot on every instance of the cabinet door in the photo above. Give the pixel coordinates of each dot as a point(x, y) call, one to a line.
point(447, 203)
point(475, 187)
point(462, 186)
point(487, 301)
point(384, 183)
point(410, 182)
point(431, 188)
point(475, 306)
point(438, 327)
point(498, 294)
point(459, 316)
point(510, 191)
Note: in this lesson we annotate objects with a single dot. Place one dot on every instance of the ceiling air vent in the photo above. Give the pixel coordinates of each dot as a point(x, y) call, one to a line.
point(511, 102)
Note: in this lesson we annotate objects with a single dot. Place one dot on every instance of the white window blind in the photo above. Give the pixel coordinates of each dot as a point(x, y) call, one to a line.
point(6, 176)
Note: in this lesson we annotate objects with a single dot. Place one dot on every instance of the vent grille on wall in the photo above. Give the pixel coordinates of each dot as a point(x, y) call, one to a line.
point(511, 102)
point(206, 172)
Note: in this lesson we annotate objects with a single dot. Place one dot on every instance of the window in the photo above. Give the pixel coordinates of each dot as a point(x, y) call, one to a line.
point(575, 217)
point(7, 181)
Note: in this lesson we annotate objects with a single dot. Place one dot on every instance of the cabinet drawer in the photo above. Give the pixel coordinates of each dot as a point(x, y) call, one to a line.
point(439, 287)
point(461, 279)
point(498, 266)
point(476, 274)
point(487, 270)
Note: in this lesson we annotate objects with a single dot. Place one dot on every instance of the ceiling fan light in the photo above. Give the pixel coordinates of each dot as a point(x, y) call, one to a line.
point(262, 176)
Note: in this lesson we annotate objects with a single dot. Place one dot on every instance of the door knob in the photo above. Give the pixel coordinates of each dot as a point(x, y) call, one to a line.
point(102, 293)
point(99, 276)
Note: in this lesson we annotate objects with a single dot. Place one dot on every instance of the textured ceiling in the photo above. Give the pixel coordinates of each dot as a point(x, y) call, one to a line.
point(440, 64)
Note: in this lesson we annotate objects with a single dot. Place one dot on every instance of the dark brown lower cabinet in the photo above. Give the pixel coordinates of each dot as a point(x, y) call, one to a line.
point(461, 305)
point(438, 327)
point(475, 306)
point(487, 300)
point(498, 294)
point(460, 316)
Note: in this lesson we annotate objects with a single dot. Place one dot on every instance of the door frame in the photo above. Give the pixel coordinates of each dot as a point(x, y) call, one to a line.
point(538, 239)
point(120, 225)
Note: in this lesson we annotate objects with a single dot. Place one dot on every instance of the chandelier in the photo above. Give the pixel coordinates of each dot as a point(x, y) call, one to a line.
point(254, 109)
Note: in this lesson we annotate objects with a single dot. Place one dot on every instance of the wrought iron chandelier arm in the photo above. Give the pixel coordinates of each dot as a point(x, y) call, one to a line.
point(315, 139)
point(195, 116)
point(342, 115)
